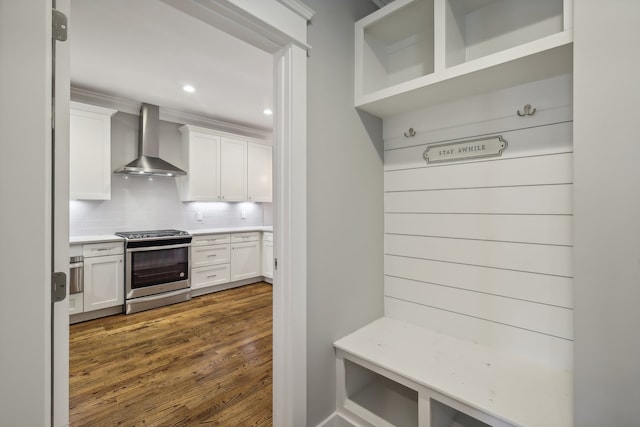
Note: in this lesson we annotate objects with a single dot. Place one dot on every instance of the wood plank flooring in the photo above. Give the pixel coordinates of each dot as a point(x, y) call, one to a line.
point(205, 361)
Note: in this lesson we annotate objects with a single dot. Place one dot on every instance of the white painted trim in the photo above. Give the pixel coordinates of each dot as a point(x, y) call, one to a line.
point(60, 219)
point(267, 25)
point(214, 132)
point(92, 108)
point(289, 292)
point(274, 28)
point(167, 114)
point(336, 420)
point(298, 7)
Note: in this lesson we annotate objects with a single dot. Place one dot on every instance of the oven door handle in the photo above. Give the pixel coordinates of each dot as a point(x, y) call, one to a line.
point(157, 248)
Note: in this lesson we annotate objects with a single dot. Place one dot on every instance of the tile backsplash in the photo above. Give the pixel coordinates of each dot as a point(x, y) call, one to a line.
point(140, 203)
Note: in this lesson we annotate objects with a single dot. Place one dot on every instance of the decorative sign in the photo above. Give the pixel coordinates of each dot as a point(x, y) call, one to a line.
point(464, 150)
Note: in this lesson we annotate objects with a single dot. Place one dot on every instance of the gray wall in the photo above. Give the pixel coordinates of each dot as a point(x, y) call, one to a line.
point(344, 200)
point(607, 213)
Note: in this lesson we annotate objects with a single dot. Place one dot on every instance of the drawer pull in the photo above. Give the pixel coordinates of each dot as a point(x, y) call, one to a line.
point(212, 276)
point(211, 256)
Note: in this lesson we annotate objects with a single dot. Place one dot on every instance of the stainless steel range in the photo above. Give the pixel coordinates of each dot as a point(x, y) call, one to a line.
point(156, 267)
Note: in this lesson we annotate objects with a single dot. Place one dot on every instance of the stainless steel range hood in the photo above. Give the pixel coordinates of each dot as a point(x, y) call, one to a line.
point(148, 163)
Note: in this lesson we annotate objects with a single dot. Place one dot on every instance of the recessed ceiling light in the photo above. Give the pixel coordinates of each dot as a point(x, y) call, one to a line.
point(268, 112)
point(188, 88)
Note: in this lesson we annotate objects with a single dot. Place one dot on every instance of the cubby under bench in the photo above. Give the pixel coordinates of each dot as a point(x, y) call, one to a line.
point(392, 373)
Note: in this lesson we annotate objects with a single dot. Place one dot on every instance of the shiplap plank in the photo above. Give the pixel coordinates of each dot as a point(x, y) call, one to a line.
point(544, 259)
point(542, 140)
point(535, 347)
point(539, 170)
point(545, 229)
point(547, 199)
point(542, 318)
point(539, 288)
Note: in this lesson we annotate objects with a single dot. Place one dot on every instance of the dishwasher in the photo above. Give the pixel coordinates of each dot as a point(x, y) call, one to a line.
point(76, 274)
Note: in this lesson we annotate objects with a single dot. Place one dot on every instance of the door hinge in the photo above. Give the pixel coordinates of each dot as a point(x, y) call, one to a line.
point(58, 286)
point(60, 26)
point(275, 263)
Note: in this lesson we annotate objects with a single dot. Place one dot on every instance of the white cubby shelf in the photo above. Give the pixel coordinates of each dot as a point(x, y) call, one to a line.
point(416, 53)
point(392, 373)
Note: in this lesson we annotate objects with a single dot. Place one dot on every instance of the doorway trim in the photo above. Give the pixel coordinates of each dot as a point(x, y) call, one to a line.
point(279, 27)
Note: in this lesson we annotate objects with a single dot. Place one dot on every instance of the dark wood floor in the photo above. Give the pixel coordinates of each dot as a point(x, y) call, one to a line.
point(206, 361)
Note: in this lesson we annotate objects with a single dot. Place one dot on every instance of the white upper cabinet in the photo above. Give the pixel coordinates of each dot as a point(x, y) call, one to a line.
point(259, 167)
point(224, 168)
point(416, 53)
point(233, 170)
point(201, 156)
point(90, 152)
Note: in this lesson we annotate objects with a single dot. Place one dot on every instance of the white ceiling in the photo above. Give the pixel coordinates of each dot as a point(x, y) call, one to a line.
point(145, 51)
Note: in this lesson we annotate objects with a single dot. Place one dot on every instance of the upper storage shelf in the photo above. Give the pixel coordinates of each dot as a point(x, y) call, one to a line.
point(415, 53)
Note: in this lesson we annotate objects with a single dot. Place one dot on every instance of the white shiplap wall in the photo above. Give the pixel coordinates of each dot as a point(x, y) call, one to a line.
point(482, 250)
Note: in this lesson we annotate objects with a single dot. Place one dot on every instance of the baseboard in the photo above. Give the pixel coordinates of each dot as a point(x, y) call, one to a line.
point(225, 286)
point(92, 315)
point(336, 420)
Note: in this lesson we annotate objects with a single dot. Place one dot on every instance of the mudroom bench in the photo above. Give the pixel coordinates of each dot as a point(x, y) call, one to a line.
point(392, 373)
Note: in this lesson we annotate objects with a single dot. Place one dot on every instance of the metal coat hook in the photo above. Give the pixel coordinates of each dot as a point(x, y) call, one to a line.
point(527, 111)
point(411, 133)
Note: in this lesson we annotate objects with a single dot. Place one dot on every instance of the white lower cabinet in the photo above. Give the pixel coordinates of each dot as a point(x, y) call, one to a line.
point(203, 277)
point(245, 256)
point(219, 260)
point(210, 258)
point(210, 255)
point(267, 255)
point(103, 282)
point(76, 303)
point(102, 277)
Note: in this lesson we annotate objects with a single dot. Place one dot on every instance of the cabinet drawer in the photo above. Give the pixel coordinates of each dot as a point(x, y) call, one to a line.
point(245, 237)
point(267, 236)
point(210, 239)
point(209, 255)
point(208, 276)
point(102, 249)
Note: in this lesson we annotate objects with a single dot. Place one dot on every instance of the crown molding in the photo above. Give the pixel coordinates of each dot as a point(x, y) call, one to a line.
point(130, 106)
point(298, 7)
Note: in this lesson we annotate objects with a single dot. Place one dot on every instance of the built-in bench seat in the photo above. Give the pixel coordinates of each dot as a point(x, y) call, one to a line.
point(392, 373)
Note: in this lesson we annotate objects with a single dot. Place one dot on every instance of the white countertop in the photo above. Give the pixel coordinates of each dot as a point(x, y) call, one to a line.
point(78, 240)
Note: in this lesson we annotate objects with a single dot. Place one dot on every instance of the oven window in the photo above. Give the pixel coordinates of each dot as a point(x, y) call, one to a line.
point(154, 267)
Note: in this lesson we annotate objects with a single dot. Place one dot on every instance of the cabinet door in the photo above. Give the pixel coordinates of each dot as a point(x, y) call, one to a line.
point(202, 155)
point(76, 303)
point(233, 170)
point(259, 172)
point(103, 282)
point(209, 255)
point(245, 260)
point(90, 152)
point(267, 259)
